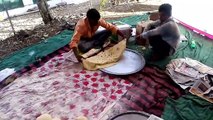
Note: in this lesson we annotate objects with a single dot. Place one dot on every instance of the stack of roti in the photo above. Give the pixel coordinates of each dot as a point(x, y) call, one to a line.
point(105, 58)
point(94, 51)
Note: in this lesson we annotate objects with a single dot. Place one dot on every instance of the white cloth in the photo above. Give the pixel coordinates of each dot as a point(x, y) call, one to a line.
point(6, 72)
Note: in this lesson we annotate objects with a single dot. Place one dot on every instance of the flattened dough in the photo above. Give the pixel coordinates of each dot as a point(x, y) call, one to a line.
point(106, 58)
point(44, 117)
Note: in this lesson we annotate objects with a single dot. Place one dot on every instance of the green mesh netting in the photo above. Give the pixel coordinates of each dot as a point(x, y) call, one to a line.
point(202, 52)
point(32, 53)
point(11, 4)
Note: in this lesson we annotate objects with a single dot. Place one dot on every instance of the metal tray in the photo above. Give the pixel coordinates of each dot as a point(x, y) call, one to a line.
point(131, 115)
point(131, 62)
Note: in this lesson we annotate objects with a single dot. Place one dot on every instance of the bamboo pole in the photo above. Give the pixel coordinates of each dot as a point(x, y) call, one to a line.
point(9, 18)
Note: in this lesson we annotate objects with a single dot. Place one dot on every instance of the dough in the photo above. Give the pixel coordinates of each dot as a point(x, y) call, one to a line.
point(81, 118)
point(106, 58)
point(94, 51)
point(56, 119)
point(44, 117)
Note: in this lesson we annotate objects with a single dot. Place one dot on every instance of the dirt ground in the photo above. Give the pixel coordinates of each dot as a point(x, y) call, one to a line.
point(31, 29)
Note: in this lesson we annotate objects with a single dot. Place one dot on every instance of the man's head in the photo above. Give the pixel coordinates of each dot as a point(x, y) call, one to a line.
point(165, 12)
point(93, 17)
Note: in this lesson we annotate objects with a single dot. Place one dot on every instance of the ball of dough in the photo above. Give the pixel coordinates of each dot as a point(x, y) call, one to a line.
point(44, 117)
point(56, 119)
point(82, 118)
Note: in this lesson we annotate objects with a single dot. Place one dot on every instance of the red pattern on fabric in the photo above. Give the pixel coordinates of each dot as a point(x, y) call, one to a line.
point(150, 90)
point(60, 87)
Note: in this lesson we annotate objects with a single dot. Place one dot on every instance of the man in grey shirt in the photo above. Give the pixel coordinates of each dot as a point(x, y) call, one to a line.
point(163, 34)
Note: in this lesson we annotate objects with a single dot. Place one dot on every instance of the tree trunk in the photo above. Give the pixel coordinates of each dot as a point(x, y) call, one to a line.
point(43, 8)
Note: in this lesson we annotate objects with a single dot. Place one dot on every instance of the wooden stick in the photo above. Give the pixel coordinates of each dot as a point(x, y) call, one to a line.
point(11, 24)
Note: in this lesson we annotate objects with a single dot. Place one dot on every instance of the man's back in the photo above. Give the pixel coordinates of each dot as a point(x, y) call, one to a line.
point(170, 32)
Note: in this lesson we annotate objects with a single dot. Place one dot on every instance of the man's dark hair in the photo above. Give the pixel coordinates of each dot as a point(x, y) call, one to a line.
point(166, 9)
point(93, 14)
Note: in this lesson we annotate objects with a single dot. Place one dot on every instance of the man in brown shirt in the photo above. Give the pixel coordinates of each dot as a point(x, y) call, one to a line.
point(86, 37)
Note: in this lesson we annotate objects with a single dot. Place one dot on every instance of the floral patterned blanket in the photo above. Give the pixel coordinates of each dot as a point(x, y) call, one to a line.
point(62, 89)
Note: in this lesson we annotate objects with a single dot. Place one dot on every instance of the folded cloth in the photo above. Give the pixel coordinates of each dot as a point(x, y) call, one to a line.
point(185, 71)
point(106, 58)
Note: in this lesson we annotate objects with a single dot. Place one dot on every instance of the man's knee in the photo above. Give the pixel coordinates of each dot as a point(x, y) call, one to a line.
point(107, 33)
point(85, 45)
point(102, 34)
point(154, 40)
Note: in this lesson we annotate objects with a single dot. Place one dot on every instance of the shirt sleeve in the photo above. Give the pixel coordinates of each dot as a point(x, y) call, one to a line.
point(157, 31)
point(76, 37)
point(108, 26)
point(151, 25)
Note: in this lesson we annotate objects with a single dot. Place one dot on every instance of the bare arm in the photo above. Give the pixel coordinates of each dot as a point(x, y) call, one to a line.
point(150, 25)
point(108, 26)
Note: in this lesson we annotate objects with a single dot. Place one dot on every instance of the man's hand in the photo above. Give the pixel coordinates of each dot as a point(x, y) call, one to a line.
point(144, 35)
point(138, 37)
point(75, 50)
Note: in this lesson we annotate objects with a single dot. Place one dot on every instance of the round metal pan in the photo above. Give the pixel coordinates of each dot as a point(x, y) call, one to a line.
point(133, 115)
point(131, 62)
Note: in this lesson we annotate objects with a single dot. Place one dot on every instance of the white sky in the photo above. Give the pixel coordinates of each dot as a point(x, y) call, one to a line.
point(197, 13)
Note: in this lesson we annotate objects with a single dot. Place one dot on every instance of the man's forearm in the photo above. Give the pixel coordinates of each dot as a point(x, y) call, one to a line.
point(150, 33)
point(75, 50)
point(144, 35)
